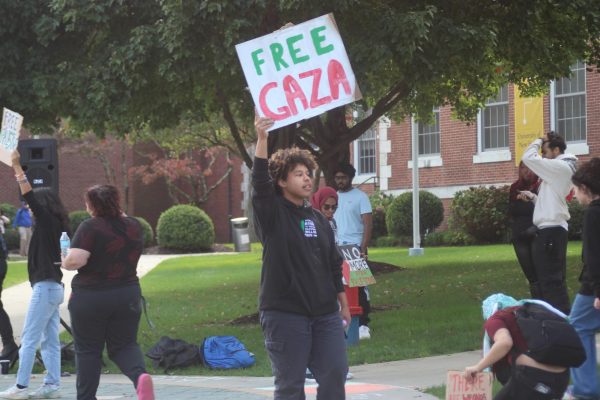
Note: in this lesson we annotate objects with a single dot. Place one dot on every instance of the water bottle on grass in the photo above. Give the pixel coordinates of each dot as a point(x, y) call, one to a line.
point(65, 244)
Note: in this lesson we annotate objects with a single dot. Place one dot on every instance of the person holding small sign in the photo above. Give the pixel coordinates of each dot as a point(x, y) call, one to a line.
point(506, 351)
point(302, 301)
point(354, 217)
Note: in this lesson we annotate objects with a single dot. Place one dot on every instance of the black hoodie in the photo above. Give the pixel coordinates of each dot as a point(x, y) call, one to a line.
point(590, 274)
point(301, 271)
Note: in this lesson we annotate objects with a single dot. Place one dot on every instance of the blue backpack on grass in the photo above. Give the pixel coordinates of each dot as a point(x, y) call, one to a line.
point(225, 352)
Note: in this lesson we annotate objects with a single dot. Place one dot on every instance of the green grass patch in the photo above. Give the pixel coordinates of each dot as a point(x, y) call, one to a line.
point(17, 273)
point(429, 307)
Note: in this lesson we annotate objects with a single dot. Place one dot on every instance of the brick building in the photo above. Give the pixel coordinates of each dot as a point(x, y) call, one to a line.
point(454, 155)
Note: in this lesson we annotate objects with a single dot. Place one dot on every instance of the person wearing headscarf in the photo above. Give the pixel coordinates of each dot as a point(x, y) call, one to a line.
point(326, 201)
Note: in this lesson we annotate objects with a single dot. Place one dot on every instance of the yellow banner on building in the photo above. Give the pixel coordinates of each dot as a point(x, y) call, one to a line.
point(529, 121)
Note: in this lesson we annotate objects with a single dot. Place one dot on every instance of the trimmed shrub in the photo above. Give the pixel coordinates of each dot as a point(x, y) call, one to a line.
point(76, 218)
point(482, 213)
point(379, 202)
point(448, 238)
point(11, 236)
point(148, 232)
point(393, 241)
point(399, 214)
point(12, 239)
point(9, 210)
point(576, 221)
point(185, 227)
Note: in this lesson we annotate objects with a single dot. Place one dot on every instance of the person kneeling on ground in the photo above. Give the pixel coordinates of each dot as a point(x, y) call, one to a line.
point(522, 377)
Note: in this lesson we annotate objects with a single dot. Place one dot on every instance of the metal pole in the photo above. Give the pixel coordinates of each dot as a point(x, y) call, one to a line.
point(416, 250)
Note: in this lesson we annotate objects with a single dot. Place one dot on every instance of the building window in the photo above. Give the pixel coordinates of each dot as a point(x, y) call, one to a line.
point(365, 153)
point(570, 104)
point(494, 122)
point(429, 135)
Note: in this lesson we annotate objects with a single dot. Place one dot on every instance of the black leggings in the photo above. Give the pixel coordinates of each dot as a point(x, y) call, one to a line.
point(6, 331)
point(527, 383)
point(108, 316)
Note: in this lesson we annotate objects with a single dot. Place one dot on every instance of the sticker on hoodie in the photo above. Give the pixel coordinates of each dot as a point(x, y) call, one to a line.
point(308, 227)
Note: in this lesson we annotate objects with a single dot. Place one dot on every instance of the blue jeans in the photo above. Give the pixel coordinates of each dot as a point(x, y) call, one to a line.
point(41, 327)
point(586, 321)
point(295, 342)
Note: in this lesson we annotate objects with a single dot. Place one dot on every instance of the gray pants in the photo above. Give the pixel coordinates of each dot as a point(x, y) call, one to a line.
point(295, 342)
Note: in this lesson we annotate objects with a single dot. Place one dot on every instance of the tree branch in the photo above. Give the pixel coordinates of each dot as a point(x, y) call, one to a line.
point(234, 129)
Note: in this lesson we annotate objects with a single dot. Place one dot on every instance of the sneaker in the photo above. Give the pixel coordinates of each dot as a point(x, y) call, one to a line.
point(145, 387)
point(14, 392)
point(46, 391)
point(310, 378)
point(364, 332)
point(349, 376)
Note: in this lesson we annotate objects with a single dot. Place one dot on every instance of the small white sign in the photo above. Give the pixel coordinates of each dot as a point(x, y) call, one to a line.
point(9, 134)
point(299, 71)
point(245, 238)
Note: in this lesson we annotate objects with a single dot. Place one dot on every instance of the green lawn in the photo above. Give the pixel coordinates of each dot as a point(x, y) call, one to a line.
point(432, 306)
point(17, 273)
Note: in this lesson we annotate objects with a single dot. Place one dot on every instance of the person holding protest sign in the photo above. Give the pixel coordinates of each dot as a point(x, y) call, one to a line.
point(520, 208)
point(43, 264)
point(506, 351)
point(301, 289)
point(585, 314)
point(354, 217)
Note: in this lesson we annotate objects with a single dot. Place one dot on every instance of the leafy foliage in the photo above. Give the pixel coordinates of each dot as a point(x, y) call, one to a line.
point(148, 232)
point(186, 228)
point(379, 203)
point(448, 238)
point(482, 213)
point(76, 218)
point(576, 210)
point(116, 66)
point(399, 217)
point(9, 210)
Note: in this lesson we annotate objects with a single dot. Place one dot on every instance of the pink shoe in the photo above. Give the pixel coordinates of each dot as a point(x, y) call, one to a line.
point(145, 388)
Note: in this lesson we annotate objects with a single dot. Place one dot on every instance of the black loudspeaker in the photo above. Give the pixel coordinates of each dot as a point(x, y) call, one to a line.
point(39, 159)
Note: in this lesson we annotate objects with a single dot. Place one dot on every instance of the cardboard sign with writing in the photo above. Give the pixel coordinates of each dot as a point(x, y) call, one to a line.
point(299, 71)
point(9, 134)
point(458, 388)
point(356, 271)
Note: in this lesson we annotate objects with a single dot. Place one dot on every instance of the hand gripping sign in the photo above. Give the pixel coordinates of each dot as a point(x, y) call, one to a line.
point(299, 71)
point(9, 135)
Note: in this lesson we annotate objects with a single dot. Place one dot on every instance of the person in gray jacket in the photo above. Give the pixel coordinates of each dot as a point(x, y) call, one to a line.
point(550, 216)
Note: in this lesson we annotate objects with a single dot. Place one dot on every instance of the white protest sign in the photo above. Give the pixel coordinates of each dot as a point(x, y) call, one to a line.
point(9, 135)
point(299, 71)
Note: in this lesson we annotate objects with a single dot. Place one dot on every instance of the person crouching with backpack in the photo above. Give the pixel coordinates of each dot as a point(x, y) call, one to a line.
point(585, 314)
point(522, 377)
point(301, 278)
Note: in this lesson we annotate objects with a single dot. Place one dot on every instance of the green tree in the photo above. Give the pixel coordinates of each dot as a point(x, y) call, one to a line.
point(126, 64)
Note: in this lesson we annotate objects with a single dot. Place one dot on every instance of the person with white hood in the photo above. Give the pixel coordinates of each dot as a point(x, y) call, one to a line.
point(550, 216)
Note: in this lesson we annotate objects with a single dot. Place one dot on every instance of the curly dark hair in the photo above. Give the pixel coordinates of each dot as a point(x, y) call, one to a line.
point(588, 174)
point(285, 160)
point(103, 200)
point(555, 140)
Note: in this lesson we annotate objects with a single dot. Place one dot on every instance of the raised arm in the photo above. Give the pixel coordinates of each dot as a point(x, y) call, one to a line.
point(24, 185)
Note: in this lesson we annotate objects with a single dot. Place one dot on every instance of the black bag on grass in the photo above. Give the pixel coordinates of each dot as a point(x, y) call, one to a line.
point(170, 353)
point(550, 338)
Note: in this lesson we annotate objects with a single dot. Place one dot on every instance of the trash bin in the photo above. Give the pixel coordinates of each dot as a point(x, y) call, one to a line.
point(355, 311)
point(241, 238)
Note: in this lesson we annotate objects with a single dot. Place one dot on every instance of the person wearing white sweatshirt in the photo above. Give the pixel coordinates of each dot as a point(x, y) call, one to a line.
point(550, 216)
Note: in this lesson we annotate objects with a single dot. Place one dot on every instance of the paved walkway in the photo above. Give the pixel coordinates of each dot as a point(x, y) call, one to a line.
point(398, 380)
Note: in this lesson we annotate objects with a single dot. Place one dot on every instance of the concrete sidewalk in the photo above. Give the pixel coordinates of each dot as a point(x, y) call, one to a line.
point(398, 380)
